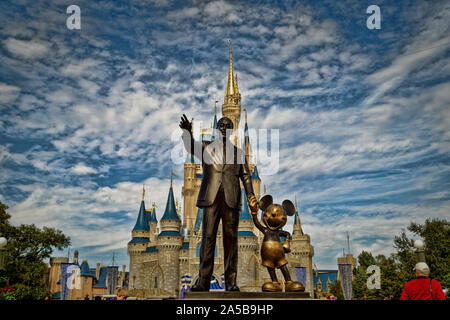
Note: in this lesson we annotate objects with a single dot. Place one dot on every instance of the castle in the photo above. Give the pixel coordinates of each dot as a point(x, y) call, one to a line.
point(165, 258)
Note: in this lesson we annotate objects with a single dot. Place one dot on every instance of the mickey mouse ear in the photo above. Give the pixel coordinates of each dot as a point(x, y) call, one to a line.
point(265, 202)
point(288, 207)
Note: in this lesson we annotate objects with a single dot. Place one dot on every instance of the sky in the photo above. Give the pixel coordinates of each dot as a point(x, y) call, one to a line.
point(87, 116)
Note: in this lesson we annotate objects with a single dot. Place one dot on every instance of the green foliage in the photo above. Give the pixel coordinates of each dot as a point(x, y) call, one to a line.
point(24, 292)
point(436, 236)
point(336, 290)
point(397, 269)
point(26, 250)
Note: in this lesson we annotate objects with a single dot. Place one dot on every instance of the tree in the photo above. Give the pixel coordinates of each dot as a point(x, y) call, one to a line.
point(26, 250)
point(336, 290)
point(397, 269)
point(359, 285)
point(436, 236)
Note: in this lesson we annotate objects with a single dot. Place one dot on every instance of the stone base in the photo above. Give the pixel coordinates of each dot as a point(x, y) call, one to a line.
point(234, 295)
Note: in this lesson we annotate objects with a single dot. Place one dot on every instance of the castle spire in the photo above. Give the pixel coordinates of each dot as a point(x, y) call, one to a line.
point(214, 126)
point(143, 192)
point(141, 222)
point(297, 221)
point(230, 83)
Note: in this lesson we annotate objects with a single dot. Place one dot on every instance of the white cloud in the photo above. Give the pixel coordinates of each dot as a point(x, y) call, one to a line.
point(27, 49)
point(8, 93)
point(81, 168)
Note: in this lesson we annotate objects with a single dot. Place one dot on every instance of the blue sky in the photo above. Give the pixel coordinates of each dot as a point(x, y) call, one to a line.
point(86, 116)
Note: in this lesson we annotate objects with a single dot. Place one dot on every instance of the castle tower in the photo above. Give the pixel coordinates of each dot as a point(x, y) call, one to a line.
point(247, 245)
point(214, 134)
point(153, 224)
point(169, 244)
point(189, 192)
point(55, 273)
point(301, 252)
point(297, 230)
point(231, 107)
point(138, 244)
point(86, 280)
point(246, 145)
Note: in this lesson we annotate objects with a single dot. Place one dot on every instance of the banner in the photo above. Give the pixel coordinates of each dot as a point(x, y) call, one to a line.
point(70, 279)
point(345, 271)
point(185, 285)
point(301, 275)
point(112, 274)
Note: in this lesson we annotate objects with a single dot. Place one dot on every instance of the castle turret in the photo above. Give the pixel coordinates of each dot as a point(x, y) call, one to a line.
point(297, 229)
point(153, 224)
point(246, 145)
point(54, 284)
point(214, 134)
point(139, 243)
point(170, 242)
point(301, 250)
point(188, 192)
point(86, 280)
point(231, 107)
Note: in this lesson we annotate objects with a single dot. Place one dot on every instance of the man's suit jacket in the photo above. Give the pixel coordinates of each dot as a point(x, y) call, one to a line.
point(217, 172)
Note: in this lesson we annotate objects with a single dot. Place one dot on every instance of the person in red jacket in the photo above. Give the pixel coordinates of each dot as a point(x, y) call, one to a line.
point(422, 287)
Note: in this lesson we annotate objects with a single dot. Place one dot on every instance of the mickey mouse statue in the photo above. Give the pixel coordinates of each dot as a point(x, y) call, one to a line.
point(272, 250)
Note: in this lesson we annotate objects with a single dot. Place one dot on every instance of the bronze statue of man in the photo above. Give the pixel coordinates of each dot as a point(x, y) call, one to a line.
point(223, 165)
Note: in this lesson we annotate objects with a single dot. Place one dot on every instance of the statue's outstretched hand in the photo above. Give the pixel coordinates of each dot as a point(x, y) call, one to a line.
point(185, 124)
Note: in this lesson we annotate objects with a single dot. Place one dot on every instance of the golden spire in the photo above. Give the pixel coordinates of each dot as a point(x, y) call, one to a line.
point(230, 84)
point(296, 206)
point(143, 192)
point(215, 106)
point(236, 84)
point(172, 175)
point(264, 189)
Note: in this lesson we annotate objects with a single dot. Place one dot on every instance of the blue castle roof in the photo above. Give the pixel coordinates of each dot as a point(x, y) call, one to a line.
point(246, 234)
point(199, 219)
point(171, 212)
point(255, 175)
point(169, 233)
point(142, 222)
point(152, 216)
point(214, 128)
point(244, 214)
point(101, 281)
point(140, 240)
point(85, 271)
point(151, 249)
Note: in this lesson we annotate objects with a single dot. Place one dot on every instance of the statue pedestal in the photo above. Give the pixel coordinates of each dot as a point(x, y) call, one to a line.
point(235, 295)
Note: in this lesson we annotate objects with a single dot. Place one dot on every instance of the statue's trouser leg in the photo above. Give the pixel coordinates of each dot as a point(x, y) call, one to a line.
point(210, 224)
point(285, 271)
point(273, 275)
point(230, 222)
